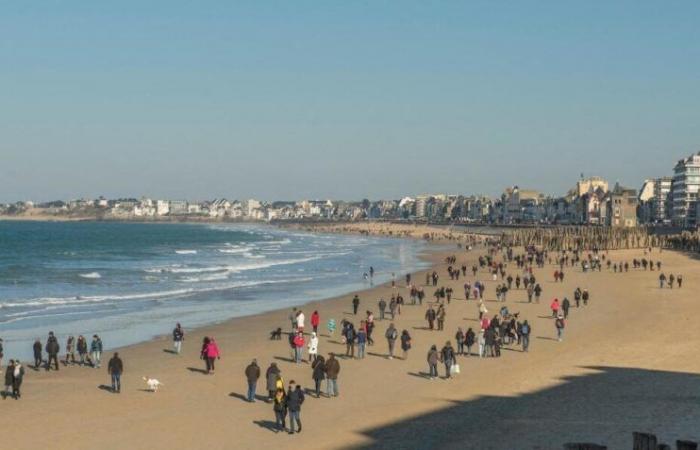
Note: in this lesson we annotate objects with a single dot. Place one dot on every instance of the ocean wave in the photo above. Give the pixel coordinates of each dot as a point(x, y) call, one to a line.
point(231, 268)
point(91, 275)
point(253, 256)
point(186, 252)
point(235, 250)
point(43, 302)
point(204, 278)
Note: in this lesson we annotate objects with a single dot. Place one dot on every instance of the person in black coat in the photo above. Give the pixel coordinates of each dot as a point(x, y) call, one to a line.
point(52, 348)
point(295, 397)
point(37, 354)
point(319, 373)
point(9, 378)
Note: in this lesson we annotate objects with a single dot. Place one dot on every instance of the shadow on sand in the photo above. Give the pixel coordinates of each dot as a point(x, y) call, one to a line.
point(605, 406)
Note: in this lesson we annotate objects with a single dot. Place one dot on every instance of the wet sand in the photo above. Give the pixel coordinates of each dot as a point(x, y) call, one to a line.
point(629, 362)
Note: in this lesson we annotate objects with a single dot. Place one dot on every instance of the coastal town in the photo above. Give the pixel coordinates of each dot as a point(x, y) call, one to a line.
point(664, 201)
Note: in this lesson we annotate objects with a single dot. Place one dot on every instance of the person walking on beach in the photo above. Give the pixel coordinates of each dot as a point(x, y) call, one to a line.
point(370, 327)
point(252, 374)
point(355, 304)
point(469, 339)
point(82, 349)
point(318, 374)
point(440, 315)
point(9, 378)
point(391, 335)
point(362, 340)
point(17, 377)
point(482, 309)
point(560, 324)
point(392, 307)
point(459, 338)
point(313, 347)
point(1, 355)
point(70, 350)
point(52, 349)
point(37, 354)
point(293, 319)
point(433, 359)
point(210, 353)
point(298, 347)
point(525, 331)
point(315, 321)
point(447, 356)
point(96, 351)
point(178, 337)
point(349, 335)
point(300, 321)
point(482, 343)
point(382, 308)
point(280, 408)
point(565, 304)
point(115, 368)
point(405, 343)
point(332, 371)
point(295, 398)
point(430, 316)
point(662, 280)
point(331, 326)
point(554, 307)
point(272, 374)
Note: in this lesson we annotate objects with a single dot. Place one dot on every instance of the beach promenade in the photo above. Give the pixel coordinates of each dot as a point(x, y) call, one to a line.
point(628, 362)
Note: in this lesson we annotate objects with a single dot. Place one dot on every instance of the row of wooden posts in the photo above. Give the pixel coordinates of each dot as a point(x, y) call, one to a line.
point(641, 441)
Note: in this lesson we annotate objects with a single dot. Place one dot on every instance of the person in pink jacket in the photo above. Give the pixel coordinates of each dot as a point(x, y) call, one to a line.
point(210, 353)
point(555, 307)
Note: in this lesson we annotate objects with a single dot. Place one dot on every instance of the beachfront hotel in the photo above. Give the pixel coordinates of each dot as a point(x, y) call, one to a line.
point(684, 191)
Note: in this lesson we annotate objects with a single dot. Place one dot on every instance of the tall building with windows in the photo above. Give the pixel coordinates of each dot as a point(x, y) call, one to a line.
point(684, 191)
point(661, 202)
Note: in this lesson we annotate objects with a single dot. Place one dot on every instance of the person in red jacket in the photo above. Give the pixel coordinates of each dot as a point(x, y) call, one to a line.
point(210, 353)
point(315, 321)
point(555, 307)
point(298, 347)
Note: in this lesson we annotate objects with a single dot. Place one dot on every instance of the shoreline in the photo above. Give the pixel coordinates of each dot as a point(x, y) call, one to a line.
point(422, 257)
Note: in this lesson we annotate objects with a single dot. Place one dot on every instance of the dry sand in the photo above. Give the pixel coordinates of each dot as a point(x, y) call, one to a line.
point(629, 362)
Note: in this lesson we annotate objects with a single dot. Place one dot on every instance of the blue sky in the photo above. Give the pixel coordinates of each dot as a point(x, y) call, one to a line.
point(341, 99)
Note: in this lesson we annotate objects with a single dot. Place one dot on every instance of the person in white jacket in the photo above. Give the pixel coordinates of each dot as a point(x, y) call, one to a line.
point(300, 321)
point(313, 348)
point(482, 344)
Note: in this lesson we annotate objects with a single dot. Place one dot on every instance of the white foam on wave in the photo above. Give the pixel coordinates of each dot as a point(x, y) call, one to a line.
point(231, 268)
point(204, 278)
point(43, 302)
point(91, 275)
point(186, 252)
point(253, 256)
point(235, 250)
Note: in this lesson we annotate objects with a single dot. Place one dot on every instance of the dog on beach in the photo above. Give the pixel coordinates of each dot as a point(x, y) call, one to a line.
point(152, 384)
point(276, 335)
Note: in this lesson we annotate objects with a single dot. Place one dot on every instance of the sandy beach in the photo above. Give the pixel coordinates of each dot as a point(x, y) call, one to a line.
point(628, 363)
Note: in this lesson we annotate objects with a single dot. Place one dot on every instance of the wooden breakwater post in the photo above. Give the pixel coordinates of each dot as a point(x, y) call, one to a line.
point(686, 445)
point(648, 441)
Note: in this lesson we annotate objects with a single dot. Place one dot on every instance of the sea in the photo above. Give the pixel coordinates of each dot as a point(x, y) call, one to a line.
point(130, 282)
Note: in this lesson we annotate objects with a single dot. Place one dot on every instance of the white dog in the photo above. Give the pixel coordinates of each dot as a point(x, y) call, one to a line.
point(153, 384)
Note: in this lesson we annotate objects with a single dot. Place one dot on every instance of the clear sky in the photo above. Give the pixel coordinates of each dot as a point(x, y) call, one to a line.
point(341, 99)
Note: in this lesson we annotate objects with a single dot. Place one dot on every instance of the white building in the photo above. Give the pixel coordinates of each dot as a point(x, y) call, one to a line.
point(178, 207)
point(162, 207)
point(684, 191)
